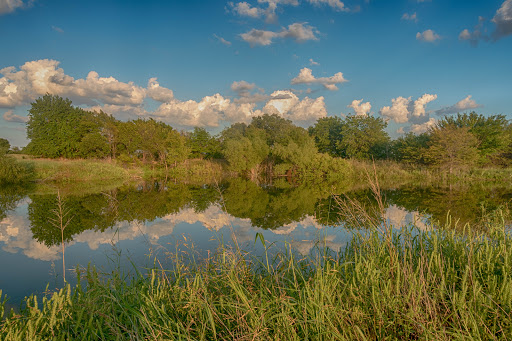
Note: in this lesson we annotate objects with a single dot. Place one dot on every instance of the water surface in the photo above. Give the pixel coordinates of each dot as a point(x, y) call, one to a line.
point(135, 224)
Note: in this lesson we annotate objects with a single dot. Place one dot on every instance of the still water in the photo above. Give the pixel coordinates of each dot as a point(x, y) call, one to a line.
point(132, 225)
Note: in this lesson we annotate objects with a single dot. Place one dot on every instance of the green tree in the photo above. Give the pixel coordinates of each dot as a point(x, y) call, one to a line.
point(4, 146)
point(246, 152)
point(202, 144)
point(410, 148)
point(53, 127)
point(492, 132)
point(364, 137)
point(327, 135)
point(452, 147)
point(277, 129)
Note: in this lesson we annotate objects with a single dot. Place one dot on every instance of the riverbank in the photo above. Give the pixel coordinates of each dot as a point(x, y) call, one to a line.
point(92, 170)
point(410, 284)
point(389, 173)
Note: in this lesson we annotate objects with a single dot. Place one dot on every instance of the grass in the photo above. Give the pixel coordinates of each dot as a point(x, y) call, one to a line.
point(392, 174)
point(386, 284)
point(104, 171)
point(67, 170)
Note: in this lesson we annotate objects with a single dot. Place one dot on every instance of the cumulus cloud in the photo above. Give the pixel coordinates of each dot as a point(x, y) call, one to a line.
point(9, 116)
point(428, 36)
point(306, 77)
point(245, 92)
point(210, 111)
point(157, 92)
point(404, 110)
point(39, 77)
point(464, 104)
point(244, 9)
point(410, 17)
point(127, 100)
point(503, 20)
point(222, 40)
point(420, 104)
point(302, 112)
point(242, 86)
point(475, 36)
point(8, 6)
point(300, 32)
point(422, 127)
point(312, 62)
point(334, 4)
point(360, 108)
point(259, 37)
point(398, 111)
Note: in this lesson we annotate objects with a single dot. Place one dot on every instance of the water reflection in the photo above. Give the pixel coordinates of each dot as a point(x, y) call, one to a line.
point(153, 210)
point(145, 217)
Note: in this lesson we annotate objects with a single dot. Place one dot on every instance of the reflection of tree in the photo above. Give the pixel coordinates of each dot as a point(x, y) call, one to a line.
point(98, 212)
point(270, 208)
point(464, 204)
point(9, 197)
point(352, 209)
point(87, 212)
point(202, 197)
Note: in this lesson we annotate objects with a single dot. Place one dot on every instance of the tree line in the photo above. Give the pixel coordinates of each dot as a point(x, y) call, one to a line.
point(270, 144)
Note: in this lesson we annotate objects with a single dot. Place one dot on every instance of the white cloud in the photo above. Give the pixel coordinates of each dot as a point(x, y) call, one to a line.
point(127, 100)
point(209, 112)
point(335, 4)
point(306, 77)
point(404, 110)
point(312, 62)
point(244, 9)
point(39, 77)
point(8, 6)
point(464, 104)
point(300, 32)
point(428, 36)
point(9, 116)
point(465, 35)
point(410, 17)
point(422, 127)
point(360, 108)
point(222, 40)
point(243, 90)
point(420, 104)
point(398, 111)
point(302, 112)
point(259, 37)
point(242, 86)
point(503, 20)
point(157, 92)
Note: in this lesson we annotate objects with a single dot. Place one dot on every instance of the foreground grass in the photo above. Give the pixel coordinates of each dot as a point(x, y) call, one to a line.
point(406, 284)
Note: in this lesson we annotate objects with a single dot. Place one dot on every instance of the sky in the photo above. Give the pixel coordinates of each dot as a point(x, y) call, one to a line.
point(213, 63)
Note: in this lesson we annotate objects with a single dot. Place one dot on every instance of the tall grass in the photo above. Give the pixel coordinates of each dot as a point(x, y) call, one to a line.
point(67, 170)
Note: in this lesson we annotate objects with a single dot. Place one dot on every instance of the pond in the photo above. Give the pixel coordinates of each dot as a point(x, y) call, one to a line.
point(134, 225)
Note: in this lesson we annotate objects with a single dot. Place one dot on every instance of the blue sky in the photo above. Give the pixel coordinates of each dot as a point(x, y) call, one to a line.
point(213, 63)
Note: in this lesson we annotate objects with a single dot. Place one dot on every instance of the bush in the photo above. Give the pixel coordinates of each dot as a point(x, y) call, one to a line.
point(13, 172)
